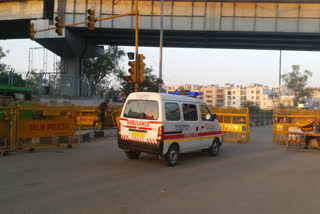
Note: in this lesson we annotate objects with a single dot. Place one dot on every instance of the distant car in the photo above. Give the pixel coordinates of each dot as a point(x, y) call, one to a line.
point(167, 125)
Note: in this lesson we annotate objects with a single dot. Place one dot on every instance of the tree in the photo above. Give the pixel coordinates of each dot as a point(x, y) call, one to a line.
point(34, 81)
point(114, 94)
point(9, 77)
point(296, 82)
point(96, 69)
point(3, 66)
point(7, 74)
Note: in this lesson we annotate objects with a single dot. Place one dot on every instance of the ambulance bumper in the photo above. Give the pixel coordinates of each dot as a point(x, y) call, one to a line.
point(151, 148)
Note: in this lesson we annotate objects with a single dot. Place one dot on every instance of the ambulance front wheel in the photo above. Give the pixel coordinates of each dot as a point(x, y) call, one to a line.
point(132, 155)
point(172, 155)
point(215, 147)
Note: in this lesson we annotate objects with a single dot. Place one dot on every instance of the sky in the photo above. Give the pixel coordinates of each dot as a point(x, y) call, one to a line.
point(194, 66)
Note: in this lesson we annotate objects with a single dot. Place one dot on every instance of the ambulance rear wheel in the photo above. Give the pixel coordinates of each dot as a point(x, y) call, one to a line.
point(132, 155)
point(215, 147)
point(172, 155)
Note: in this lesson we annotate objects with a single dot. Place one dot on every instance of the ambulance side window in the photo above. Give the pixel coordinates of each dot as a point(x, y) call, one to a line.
point(172, 111)
point(205, 113)
point(190, 112)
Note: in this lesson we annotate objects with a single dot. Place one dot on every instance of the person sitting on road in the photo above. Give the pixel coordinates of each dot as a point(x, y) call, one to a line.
point(100, 113)
point(315, 125)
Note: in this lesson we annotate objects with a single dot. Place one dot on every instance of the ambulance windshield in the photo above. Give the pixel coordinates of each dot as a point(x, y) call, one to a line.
point(142, 109)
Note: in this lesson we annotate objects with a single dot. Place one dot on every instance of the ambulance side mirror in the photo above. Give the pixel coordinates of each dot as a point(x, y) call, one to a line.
point(214, 116)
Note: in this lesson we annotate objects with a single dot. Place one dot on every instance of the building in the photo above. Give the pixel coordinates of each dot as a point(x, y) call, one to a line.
point(209, 95)
point(220, 97)
point(235, 96)
point(227, 94)
point(261, 96)
point(172, 88)
point(186, 88)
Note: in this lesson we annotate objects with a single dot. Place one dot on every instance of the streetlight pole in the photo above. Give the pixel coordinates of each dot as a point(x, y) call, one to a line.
point(161, 43)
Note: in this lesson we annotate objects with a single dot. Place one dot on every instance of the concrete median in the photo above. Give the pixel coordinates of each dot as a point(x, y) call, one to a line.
point(87, 135)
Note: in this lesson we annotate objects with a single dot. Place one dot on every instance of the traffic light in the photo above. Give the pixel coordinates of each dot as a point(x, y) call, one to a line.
point(128, 79)
point(130, 55)
point(59, 25)
point(133, 70)
point(91, 19)
point(141, 68)
point(31, 31)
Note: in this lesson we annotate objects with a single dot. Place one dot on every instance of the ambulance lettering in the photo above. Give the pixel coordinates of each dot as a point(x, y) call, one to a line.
point(138, 123)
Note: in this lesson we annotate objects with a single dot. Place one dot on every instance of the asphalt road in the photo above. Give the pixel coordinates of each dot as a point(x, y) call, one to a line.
point(258, 177)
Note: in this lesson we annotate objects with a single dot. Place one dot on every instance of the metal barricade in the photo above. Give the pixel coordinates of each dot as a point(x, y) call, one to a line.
point(86, 115)
point(115, 112)
point(285, 120)
point(7, 124)
point(44, 125)
point(234, 122)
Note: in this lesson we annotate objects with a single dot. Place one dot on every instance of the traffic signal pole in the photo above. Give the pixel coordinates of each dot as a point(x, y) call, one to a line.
point(86, 22)
point(136, 88)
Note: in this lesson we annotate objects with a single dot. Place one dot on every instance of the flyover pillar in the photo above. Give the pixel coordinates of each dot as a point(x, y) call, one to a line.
point(71, 74)
point(72, 48)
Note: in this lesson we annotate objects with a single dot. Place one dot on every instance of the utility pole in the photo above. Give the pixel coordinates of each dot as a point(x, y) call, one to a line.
point(161, 44)
point(279, 95)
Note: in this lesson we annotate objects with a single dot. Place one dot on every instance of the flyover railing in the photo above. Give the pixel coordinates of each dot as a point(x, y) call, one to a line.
point(234, 122)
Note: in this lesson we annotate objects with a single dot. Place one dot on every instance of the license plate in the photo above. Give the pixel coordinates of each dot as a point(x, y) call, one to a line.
point(138, 134)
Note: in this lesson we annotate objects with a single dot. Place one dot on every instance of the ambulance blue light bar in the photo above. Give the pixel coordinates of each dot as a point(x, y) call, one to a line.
point(193, 94)
point(185, 93)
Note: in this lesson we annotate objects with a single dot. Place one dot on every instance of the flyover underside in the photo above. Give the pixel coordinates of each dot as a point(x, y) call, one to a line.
point(14, 29)
point(205, 39)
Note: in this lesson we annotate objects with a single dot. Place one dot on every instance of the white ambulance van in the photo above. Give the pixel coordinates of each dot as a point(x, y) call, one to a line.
point(167, 125)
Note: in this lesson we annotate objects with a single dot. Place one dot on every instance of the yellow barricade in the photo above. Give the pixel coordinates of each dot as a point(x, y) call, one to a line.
point(86, 115)
point(44, 125)
point(285, 120)
point(234, 123)
point(7, 124)
point(115, 113)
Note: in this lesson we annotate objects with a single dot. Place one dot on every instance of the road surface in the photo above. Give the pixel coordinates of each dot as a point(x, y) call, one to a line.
point(258, 177)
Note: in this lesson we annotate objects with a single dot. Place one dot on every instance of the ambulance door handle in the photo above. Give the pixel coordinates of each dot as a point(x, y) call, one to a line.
point(197, 128)
point(202, 127)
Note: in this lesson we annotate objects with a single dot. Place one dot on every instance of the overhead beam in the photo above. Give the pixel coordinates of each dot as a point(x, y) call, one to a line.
point(26, 9)
point(201, 39)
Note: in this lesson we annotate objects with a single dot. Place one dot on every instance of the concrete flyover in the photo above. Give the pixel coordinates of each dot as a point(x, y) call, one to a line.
point(255, 24)
point(243, 24)
point(15, 16)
